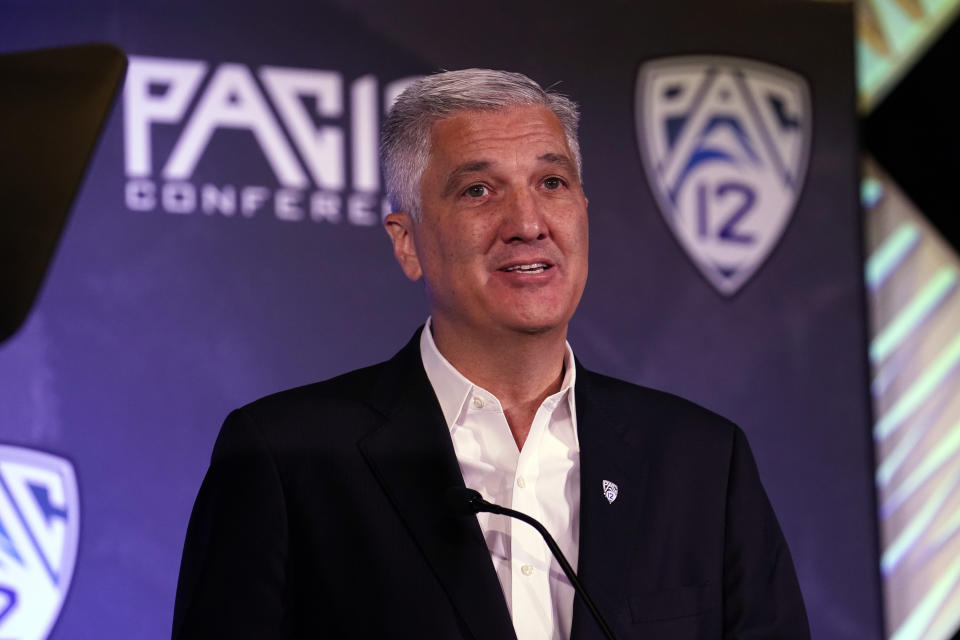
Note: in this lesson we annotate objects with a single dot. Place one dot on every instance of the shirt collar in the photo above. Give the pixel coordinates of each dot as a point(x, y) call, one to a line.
point(454, 390)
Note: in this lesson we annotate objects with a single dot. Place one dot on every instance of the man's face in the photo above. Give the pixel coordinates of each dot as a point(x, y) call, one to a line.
point(502, 238)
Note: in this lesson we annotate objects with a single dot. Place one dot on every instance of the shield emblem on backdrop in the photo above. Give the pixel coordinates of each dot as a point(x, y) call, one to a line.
point(725, 145)
point(39, 530)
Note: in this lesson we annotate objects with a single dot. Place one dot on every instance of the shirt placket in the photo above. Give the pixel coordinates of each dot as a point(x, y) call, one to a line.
point(532, 606)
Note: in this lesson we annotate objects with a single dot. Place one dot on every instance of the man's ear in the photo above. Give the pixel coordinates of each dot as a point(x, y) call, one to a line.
point(400, 228)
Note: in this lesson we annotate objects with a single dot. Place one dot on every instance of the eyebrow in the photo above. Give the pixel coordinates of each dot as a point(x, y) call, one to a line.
point(476, 166)
point(467, 167)
point(558, 159)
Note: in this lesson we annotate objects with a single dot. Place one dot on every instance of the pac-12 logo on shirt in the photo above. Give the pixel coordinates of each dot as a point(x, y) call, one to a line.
point(725, 144)
point(39, 529)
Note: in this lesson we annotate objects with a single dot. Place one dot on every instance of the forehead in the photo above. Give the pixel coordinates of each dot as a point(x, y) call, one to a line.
point(489, 133)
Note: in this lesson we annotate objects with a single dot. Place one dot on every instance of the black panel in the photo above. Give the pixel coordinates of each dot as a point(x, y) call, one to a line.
point(915, 134)
point(53, 104)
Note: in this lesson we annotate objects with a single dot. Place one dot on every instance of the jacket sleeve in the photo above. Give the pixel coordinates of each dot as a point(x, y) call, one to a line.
point(761, 594)
point(232, 572)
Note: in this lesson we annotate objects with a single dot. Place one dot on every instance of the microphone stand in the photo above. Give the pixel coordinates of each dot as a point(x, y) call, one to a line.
point(467, 501)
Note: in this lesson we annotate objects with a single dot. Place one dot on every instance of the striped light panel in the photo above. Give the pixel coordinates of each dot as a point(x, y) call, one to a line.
point(913, 278)
point(891, 36)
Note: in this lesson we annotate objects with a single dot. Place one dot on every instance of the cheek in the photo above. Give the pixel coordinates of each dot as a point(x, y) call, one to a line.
point(577, 238)
point(465, 245)
point(453, 252)
point(452, 255)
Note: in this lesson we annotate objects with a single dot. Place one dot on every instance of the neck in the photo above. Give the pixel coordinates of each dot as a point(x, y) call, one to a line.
point(520, 369)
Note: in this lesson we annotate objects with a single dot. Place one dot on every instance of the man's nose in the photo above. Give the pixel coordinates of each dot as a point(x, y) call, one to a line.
point(523, 218)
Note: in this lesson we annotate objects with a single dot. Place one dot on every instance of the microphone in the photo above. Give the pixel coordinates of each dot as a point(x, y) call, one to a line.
point(462, 502)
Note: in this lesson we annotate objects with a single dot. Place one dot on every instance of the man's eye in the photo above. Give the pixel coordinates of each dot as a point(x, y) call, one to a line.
point(553, 183)
point(476, 191)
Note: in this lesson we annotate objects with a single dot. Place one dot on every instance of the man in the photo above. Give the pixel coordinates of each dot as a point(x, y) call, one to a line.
point(323, 515)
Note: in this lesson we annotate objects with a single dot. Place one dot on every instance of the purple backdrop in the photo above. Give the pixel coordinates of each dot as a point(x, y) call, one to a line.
point(153, 324)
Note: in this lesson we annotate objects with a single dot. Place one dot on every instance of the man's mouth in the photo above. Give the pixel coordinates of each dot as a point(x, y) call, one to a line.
point(532, 268)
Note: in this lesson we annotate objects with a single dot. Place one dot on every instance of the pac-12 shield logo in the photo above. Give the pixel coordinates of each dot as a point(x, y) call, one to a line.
point(725, 145)
point(39, 527)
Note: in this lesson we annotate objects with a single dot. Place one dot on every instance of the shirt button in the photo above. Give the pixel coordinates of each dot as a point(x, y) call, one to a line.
point(478, 402)
point(521, 482)
point(526, 570)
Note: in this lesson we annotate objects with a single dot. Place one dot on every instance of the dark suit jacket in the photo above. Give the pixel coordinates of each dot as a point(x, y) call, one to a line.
point(322, 516)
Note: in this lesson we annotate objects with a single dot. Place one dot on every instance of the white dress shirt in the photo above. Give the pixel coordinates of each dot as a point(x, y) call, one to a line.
point(541, 480)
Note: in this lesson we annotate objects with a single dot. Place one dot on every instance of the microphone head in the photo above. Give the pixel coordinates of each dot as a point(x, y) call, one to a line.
point(462, 501)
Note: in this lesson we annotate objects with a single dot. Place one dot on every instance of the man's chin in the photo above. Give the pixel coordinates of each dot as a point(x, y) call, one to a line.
point(536, 330)
point(539, 326)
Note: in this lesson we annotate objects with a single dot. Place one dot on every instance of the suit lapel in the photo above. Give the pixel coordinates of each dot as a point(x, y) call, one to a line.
point(608, 530)
point(412, 456)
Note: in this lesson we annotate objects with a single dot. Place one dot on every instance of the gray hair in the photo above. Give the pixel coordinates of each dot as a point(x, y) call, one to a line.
point(405, 138)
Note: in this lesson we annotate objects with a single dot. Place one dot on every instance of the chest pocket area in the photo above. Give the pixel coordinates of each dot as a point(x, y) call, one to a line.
point(670, 604)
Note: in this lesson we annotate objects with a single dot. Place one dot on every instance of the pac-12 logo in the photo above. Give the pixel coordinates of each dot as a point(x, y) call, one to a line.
point(316, 130)
point(39, 529)
point(725, 144)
